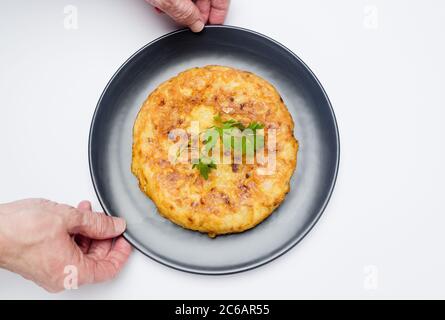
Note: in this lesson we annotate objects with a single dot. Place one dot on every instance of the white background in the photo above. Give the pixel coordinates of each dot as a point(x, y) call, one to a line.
point(383, 233)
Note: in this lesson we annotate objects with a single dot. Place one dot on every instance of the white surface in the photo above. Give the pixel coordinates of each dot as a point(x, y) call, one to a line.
point(386, 86)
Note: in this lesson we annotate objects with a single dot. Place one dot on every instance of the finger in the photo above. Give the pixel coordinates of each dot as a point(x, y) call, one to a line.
point(110, 266)
point(158, 10)
point(84, 205)
point(182, 11)
point(100, 248)
point(218, 11)
point(203, 7)
point(82, 241)
point(95, 226)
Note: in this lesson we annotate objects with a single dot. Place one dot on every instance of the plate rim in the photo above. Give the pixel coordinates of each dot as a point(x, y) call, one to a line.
point(201, 271)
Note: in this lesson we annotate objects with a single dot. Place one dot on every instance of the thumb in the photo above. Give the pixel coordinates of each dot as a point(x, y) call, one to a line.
point(94, 225)
point(182, 11)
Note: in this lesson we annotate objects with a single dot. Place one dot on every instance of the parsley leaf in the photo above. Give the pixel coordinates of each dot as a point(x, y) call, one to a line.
point(233, 124)
point(229, 124)
point(254, 126)
point(204, 167)
point(217, 118)
point(225, 131)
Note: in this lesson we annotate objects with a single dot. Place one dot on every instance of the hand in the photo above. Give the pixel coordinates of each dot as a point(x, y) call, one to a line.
point(194, 14)
point(40, 238)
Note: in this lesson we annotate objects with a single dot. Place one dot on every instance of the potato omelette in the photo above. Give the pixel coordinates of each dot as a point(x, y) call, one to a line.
point(230, 198)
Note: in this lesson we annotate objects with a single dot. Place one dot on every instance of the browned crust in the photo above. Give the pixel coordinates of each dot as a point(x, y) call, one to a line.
point(230, 200)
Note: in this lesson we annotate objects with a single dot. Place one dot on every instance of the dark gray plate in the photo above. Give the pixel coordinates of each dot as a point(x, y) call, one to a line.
point(111, 142)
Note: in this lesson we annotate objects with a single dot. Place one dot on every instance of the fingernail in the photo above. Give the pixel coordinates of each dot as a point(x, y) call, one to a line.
point(197, 26)
point(120, 224)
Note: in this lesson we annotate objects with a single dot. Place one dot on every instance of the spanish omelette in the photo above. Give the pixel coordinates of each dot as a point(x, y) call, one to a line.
point(235, 197)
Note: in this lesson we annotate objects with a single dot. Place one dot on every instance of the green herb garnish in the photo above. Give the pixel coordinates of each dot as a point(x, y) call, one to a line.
point(254, 126)
point(227, 127)
point(204, 167)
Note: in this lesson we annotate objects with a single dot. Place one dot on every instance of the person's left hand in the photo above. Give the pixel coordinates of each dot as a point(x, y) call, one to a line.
point(39, 239)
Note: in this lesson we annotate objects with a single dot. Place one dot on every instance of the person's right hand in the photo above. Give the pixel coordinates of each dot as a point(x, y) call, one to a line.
point(39, 239)
point(194, 14)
